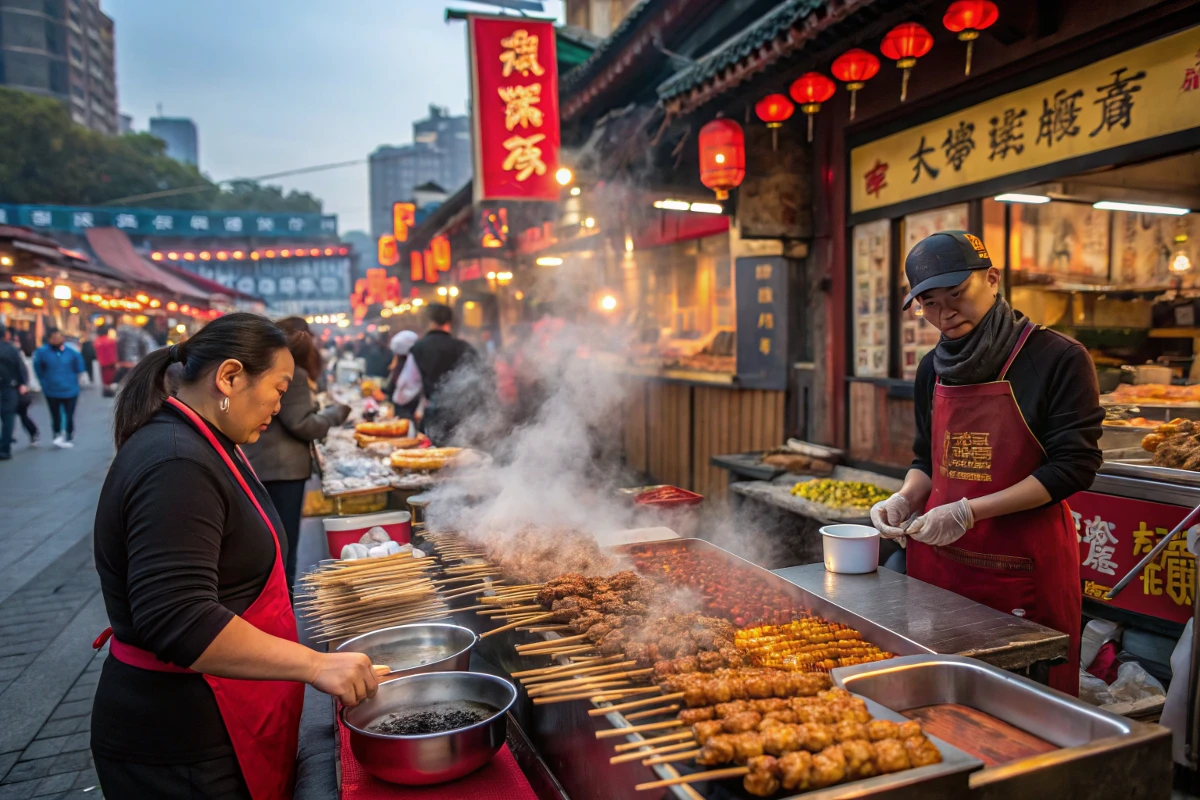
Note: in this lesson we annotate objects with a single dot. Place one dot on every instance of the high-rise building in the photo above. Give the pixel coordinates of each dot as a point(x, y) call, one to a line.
point(62, 49)
point(440, 152)
point(180, 135)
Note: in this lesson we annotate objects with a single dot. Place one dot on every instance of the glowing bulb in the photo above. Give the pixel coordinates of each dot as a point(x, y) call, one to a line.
point(156, 256)
point(181, 328)
point(576, 191)
point(608, 302)
point(142, 298)
point(418, 302)
point(74, 309)
point(21, 295)
point(1181, 262)
point(238, 255)
point(62, 292)
point(720, 158)
point(172, 256)
point(155, 303)
point(205, 255)
point(491, 276)
point(590, 222)
point(454, 291)
point(189, 256)
point(563, 176)
point(519, 295)
point(37, 301)
point(443, 291)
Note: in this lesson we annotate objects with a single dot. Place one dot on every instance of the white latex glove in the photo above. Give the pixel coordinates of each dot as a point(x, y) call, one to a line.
point(890, 517)
point(943, 525)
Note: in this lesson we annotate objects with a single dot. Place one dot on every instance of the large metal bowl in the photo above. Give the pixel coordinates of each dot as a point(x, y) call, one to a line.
point(440, 647)
point(435, 757)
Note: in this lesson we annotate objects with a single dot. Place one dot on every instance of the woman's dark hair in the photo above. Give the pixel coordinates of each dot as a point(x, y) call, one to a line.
point(290, 325)
point(305, 352)
point(248, 338)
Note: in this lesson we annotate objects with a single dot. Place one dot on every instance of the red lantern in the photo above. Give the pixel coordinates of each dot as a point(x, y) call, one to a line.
point(967, 18)
point(722, 156)
point(904, 44)
point(774, 109)
point(854, 68)
point(810, 90)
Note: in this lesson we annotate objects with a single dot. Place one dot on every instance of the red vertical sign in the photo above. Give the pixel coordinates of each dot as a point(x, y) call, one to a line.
point(514, 83)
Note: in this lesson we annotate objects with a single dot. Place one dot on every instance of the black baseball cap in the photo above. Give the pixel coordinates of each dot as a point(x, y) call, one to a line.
point(944, 259)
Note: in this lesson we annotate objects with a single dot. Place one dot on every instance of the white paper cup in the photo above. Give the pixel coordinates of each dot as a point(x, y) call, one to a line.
point(850, 549)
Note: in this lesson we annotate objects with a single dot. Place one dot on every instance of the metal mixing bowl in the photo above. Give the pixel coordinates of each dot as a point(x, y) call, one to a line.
point(445, 647)
point(434, 757)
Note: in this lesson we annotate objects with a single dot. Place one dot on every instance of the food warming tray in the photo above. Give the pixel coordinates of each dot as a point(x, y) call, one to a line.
point(1098, 755)
point(1144, 469)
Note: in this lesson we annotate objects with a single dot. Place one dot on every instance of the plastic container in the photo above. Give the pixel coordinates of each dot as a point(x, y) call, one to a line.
point(341, 531)
point(850, 549)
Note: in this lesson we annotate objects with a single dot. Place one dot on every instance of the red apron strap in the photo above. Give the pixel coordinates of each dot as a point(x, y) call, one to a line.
point(207, 434)
point(1029, 329)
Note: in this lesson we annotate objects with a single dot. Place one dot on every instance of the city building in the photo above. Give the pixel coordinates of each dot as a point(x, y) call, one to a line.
point(126, 124)
point(180, 135)
point(440, 152)
point(62, 50)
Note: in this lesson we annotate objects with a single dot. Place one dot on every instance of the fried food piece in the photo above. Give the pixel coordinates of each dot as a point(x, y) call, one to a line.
point(690, 716)
point(707, 729)
point(786, 717)
point(878, 729)
point(781, 739)
point(816, 714)
point(759, 686)
point(910, 729)
point(729, 709)
point(921, 752)
point(828, 767)
point(746, 746)
point(796, 770)
point(718, 750)
point(743, 722)
point(817, 737)
point(694, 695)
point(859, 762)
point(848, 730)
point(762, 781)
point(889, 755)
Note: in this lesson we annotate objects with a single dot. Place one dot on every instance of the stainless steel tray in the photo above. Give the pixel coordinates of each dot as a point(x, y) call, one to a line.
point(1101, 755)
point(1143, 469)
point(874, 633)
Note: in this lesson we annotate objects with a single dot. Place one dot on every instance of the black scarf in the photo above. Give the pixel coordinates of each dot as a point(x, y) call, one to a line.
point(978, 356)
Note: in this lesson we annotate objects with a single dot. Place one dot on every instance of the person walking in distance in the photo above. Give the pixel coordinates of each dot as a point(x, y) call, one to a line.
point(12, 388)
point(58, 368)
point(434, 358)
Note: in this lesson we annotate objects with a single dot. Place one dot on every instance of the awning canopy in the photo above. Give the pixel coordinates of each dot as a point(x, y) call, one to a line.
point(115, 251)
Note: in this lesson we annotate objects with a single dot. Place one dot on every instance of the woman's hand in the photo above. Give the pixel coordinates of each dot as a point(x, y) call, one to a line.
point(347, 676)
point(891, 516)
point(943, 525)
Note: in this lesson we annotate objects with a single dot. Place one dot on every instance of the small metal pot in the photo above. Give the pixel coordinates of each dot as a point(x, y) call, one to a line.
point(434, 757)
point(454, 640)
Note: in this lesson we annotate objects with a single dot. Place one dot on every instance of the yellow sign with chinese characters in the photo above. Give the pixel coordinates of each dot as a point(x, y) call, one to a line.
point(1150, 91)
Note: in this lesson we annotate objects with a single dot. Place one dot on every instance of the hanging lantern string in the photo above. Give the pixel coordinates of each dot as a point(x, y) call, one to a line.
point(904, 44)
point(854, 68)
point(810, 90)
point(967, 18)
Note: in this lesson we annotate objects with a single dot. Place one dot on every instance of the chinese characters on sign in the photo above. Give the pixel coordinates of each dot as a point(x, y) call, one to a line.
point(1127, 98)
point(515, 114)
point(404, 217)
point(1114, 533)
point(761, 289)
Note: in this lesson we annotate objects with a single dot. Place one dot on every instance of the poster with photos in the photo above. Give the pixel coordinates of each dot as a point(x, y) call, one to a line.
point(918, 337)
point(1155, 250)
point(871, 254)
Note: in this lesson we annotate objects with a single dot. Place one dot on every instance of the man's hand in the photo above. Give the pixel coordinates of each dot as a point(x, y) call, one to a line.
point(22, 389)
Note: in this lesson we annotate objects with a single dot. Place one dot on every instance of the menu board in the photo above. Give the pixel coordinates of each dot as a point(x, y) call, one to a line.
point(872, 245)
point(1152, 250)
point(917, 336)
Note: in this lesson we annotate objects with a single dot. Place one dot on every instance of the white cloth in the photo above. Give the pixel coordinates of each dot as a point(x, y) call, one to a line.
point(1174, 714)
point(408, 385)
point(403, 341)
point(32, 382)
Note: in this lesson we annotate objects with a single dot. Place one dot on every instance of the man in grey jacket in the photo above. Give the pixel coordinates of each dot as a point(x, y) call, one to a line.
point(282, 456)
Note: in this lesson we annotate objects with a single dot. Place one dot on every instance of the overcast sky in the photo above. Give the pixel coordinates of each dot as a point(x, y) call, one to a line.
point(281, 84)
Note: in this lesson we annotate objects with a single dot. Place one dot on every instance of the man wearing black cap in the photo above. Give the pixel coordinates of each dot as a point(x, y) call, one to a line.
point(1008, 418)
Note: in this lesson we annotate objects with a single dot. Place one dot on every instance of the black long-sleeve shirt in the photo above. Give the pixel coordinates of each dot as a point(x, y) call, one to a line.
point(180, 550)
point(1054, 383)
point(12, 367)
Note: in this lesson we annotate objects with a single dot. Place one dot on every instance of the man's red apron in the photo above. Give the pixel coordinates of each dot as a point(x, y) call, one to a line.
point(1028, 562)
point(262, 717)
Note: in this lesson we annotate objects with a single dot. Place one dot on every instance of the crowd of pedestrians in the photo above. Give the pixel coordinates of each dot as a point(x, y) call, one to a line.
point(53, 371)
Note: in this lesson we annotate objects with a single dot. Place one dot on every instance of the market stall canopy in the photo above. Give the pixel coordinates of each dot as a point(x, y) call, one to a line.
point(114, 249)
point(29, 241)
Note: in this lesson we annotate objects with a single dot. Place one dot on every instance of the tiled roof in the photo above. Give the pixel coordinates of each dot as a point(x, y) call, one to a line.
point(575, 78)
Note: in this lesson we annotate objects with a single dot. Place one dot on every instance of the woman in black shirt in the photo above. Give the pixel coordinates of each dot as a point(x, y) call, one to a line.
point(204, 643)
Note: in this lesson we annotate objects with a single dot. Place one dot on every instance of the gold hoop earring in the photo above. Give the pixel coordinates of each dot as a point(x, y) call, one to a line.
point(225, 404)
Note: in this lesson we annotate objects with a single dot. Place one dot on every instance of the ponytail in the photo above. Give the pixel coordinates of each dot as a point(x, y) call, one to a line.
point(247, 338)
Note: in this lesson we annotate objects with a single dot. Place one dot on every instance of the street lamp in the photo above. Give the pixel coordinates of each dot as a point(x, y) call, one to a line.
point(564, 176)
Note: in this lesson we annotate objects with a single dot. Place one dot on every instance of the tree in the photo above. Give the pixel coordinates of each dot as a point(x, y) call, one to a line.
point(46, 158)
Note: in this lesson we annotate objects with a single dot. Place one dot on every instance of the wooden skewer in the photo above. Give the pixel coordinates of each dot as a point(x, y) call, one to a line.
point(546, 629)
point(561, 672)
point(521, 648)
point(600, 712)
point(561, 668)
point(605, 696)
point(584, 692)
point(508, 609)
point(566, 651)
point(560, 698)
point(686, 756)
point(473, 590)
point(670, 748)
point(653, 726)
point(625, 747)
point(587, 683)
point(653, 712)
point(512, 625)
point(461, 579)
point(696, 777)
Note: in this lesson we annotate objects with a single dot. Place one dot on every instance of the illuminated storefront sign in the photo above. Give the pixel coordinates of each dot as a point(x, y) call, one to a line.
point(514, 81)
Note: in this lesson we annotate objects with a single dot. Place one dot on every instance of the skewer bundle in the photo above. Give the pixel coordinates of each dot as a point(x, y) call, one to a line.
point(347, 598)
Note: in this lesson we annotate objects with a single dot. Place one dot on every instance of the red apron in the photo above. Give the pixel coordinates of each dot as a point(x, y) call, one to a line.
point(262, 717)
point(1027, 562)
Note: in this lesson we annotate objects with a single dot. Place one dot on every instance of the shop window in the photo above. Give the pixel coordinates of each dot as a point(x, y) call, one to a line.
point(872, 265)
point(917, 336)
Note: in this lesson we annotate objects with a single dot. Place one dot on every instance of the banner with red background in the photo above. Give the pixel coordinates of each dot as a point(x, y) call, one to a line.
point(1114, 534)
point(514, 83)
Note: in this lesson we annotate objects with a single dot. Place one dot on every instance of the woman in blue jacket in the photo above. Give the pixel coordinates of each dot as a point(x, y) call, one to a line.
point(58, 368)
